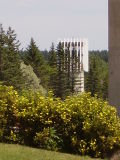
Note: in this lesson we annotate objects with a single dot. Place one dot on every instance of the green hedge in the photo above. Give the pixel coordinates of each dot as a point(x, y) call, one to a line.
point(81, 124)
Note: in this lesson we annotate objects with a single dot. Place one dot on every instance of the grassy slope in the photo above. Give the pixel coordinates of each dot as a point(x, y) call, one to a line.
point(17, 152)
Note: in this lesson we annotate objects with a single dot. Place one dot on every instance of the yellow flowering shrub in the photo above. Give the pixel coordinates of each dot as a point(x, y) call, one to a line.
point(94, 122)
point(8, 101)
point(84, 124)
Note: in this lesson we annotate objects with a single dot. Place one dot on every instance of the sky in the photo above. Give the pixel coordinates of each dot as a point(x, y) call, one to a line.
point(48, 20)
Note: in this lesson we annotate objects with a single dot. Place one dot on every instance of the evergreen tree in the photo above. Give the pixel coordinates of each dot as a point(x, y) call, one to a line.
point(69, 73)
point(102, 54)
point(45, 55)
point(2, 50)
point(63, 66)
point(10, 68)
point(105, 87)
point(73, 69)
point(93, 81)
point(52, 58)
point(61, 85)
point(96, 80)
point(35, 58)
point(52, 61)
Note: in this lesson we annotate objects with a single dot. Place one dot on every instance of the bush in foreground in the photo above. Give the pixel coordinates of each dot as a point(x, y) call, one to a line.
point(81, 124)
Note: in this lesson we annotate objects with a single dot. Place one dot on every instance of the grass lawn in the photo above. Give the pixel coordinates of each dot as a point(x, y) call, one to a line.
point(17, 152)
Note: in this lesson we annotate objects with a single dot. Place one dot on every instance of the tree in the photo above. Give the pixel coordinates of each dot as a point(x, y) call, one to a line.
point(61, 81)
point(105, 86)
point(32, 82)
point(52, 58)
point(2, 50)
point(93, 78)
point(52, 61)
point(96, 78)
point(10, 60)
point(35, 58)
point(63, 66)
point(102, 54)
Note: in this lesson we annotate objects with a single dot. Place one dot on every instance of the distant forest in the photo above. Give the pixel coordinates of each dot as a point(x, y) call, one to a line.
point(33, 69)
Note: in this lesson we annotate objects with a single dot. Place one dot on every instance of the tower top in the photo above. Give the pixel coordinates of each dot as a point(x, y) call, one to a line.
point(84, 40)
point(80, 46)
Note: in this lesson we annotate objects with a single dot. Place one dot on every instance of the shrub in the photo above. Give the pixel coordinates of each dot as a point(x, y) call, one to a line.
point(8, 100)
point(94, 125)
point(48, 139)
point(81, 124)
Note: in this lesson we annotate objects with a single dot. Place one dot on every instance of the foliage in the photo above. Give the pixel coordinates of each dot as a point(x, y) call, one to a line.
point(62, 89)
point(48, 139)
point(8, 99)
point(81, 124)
point(96, 80)
point(10, 72)
point(53, 70)
point(32, 82)
point(52, 61)
point(35, 58)
point(102, 54)
point(94, 124)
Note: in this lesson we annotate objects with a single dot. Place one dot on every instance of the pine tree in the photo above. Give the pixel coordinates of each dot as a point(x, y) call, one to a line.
point(35, 58)
point(52, 58)
point(63, 71)
point(96, 80)
point(93, 81)
point(52, 61)
point(61, 85)
point(11, 72)
point(69, 74)
point(2, 50)
point(73, 69)
point(105, 86)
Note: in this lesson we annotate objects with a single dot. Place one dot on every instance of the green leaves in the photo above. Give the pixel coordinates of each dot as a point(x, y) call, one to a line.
point(96, 80)
point(34, 57)
point(10, 71)
point(81, 123)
